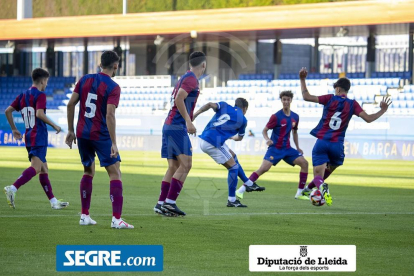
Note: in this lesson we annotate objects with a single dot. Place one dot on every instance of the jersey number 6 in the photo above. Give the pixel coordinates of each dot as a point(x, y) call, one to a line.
point(335, 122)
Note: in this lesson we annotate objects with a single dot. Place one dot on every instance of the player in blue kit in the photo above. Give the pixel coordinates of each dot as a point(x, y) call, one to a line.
point(282, 123)
point(328, 153)
point(228, 123)
point(32, 106)
point(176, 145)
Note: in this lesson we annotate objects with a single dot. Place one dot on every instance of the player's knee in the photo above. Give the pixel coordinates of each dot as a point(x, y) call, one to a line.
point(304, 164)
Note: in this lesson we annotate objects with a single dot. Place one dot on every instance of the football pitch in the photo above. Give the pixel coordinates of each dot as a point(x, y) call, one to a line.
point(373, 208)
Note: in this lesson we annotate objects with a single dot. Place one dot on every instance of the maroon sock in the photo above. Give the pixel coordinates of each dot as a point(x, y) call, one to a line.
point(302, 180)
point(175, 189)
point(117, 199)
point(254, 176)
point(165, 187)
point(45, 182)
point(86, 193)
point(325, 176)
point(318, 181)
point(27, 174)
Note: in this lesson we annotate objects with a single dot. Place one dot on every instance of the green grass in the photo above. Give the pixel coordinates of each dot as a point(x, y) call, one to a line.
point(373, 208)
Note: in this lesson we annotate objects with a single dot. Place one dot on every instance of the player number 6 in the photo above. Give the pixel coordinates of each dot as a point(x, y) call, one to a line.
point(335, 122)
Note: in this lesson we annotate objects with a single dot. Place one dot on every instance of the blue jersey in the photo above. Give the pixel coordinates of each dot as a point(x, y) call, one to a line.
point(337, 113)
point(28, 103)
point(227, 122)
point(189, 83)
point(95, 91)
point(282, 125)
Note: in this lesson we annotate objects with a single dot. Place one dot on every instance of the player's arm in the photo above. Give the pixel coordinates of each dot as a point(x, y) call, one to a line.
point(16, 133)
point(296, 140)
point(179, 102)
point(205, 108)
point(242, 131)
point(385, 103)
point(40, 113)
point(71, 137)
point(269, 142)
point(305, 93)
point(111, 122)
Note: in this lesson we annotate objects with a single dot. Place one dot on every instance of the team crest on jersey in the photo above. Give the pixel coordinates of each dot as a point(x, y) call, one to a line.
point(271, 158)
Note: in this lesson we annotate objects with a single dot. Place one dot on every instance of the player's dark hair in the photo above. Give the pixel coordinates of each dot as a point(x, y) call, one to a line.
point(196, 58)
point(108, 58)
point(344, 83)
point(38, 74)
point(286, 93)
point(241, 103)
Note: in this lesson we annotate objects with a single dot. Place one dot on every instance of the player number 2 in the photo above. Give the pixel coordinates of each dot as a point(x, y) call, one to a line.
point(336, 121)
point(28, 114)
point(91, 105)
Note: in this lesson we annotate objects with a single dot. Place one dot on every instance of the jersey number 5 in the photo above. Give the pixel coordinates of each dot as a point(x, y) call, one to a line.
point(335, 122)
point(28, 114)
point(91, 105)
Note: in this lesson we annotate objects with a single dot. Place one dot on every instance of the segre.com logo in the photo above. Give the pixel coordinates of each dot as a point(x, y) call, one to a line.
point(109, 258)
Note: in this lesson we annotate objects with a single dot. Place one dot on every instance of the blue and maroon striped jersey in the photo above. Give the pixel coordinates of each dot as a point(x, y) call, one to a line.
point(337, 113)
point(28, 103)
point(189, 83)
point(95, 91)
point(282, 126)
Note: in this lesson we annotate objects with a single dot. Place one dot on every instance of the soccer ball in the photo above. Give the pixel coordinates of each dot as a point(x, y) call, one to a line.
point(316, 198)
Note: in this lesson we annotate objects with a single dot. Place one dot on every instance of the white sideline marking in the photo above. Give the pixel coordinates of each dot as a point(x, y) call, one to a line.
point(212, 215)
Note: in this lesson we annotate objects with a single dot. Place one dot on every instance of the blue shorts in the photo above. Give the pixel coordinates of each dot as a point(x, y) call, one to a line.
point(88, 148)
point(328, 152)
point(274, 155)
point(174, 143)
point(39, 152)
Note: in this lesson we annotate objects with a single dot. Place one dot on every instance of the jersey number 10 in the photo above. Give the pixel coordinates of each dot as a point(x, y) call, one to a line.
point(28, 114)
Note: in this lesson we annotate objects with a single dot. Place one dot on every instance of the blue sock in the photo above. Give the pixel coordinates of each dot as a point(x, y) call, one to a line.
point(241, 173)
point(232, 180)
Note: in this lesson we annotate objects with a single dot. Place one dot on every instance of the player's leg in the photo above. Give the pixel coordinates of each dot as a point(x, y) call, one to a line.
point(233, 171)
point(328, 171)
point(26, 176)
point(87, 154)
point(47, 187)
point(264, 167)
point(241, 172)
point(303, 175)
point(178, 147)
point(173, 165)
point(177, 182)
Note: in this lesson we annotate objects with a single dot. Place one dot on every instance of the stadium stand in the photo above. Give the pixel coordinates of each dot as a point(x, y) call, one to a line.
point(57, 87)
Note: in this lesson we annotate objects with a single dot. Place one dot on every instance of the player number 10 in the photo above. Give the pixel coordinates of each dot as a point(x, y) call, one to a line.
point(336, 121)
point(91, 105)
point(28, 114)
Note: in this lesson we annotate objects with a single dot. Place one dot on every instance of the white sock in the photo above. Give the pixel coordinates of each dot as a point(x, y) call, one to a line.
point(53, 200)
point(232, 198)
point(248, 183)
point(13, 188)
point(170, 201)
point(242, 189)
point(161, 202)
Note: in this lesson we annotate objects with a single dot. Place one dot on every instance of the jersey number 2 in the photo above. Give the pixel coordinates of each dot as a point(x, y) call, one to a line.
point(91, 105)
point(335, 122)
point(28, 114)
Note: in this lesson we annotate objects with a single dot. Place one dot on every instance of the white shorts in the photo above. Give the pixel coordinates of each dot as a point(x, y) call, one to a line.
point(221, 155)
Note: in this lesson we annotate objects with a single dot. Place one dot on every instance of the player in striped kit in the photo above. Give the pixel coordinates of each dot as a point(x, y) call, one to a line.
point(328, 152)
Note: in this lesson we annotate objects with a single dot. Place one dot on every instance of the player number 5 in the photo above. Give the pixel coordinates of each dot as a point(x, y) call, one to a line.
point(91, 105)
point(336, 121)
